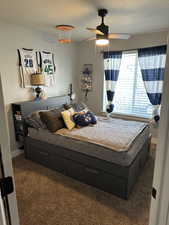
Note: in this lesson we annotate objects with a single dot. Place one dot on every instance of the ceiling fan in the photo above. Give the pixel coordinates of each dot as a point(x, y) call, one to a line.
point(102, 31)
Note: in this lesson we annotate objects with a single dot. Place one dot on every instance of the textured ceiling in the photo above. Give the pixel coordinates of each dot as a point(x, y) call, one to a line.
point(125, 16)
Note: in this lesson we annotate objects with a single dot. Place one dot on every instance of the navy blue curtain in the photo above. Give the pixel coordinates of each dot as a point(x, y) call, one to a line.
point(152, 63)
point(112, 62)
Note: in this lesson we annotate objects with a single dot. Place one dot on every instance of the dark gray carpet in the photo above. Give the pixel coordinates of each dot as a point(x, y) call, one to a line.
point(46, 197)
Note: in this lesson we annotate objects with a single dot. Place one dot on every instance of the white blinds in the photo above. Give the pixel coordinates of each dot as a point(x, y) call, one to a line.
point(130, 95)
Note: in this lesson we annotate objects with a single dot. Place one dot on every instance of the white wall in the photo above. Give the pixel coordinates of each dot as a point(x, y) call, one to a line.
point(13, 37)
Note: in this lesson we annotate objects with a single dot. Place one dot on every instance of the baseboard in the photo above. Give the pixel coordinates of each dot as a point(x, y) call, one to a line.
point(16, 152)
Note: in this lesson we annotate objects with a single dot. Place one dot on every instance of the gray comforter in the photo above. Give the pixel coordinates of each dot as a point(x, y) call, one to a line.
point(115, 134)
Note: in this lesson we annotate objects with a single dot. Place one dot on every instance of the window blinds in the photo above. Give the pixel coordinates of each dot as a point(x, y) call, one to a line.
point(130, 95)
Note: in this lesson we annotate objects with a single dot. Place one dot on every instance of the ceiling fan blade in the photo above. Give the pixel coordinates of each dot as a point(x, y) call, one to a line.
point(95, 31)
point(119, 36)
point(91, 39)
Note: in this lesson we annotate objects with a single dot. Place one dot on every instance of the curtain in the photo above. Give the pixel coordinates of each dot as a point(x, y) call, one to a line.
point(112, 62)
point(152, 64)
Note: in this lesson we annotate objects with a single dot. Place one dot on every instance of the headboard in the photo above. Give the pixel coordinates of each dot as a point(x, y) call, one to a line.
point(28, 107)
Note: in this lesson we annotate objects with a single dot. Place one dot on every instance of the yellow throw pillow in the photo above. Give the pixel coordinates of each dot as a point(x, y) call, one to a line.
point(67, 117)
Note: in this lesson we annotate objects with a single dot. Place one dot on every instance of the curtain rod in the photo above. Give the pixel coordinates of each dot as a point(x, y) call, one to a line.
point(134, 49)
point(120, 50)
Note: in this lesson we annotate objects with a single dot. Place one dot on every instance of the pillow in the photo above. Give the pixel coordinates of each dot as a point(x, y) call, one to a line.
point(34, 120)
point(78, 107)
point(67, 106)
point(84, 119)
point(93, 117)
point(67, 117)
point(52, 119)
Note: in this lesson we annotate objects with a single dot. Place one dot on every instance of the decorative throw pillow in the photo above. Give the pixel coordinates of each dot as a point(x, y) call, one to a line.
point(67, 117)
point(34, 120)
point(84, 119)
point(78, 107)
point(53, 119)
point(93, 117)
point(67, 106)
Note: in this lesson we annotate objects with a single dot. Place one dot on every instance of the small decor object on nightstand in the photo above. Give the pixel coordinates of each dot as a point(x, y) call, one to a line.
point(86, 80)
point(38, 80)
point(71, 94)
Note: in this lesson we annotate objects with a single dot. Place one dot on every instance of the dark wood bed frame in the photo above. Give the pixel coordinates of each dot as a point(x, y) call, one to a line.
point(110, 177)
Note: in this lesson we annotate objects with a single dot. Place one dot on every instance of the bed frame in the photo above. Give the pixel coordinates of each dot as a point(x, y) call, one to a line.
point(110, 177)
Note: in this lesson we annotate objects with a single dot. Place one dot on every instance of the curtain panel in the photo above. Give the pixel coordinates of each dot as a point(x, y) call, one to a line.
point(112, 62)
point(152, 63)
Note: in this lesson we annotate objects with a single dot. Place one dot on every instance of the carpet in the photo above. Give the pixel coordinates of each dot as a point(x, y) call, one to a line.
point(46, 197)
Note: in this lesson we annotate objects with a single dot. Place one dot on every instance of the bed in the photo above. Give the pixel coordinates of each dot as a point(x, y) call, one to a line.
point(111, 167)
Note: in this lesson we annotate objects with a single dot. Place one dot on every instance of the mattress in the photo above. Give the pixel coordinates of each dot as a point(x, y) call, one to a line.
point(123, 158)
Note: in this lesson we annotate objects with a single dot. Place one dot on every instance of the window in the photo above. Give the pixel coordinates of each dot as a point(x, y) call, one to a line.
point(130, 94)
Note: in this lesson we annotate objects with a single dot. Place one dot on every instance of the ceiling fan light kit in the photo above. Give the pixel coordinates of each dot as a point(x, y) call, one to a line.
point(102, 42)
point(102, 39)
point(102, 31)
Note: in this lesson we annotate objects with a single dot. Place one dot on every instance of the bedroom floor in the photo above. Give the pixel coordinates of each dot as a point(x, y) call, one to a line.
point(46, 197)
